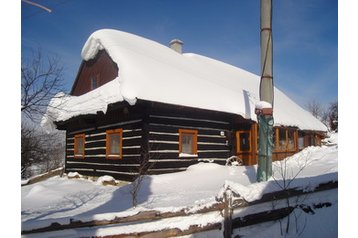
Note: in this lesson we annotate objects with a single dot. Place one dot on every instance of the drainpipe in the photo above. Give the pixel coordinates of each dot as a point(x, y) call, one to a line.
point(264, 108)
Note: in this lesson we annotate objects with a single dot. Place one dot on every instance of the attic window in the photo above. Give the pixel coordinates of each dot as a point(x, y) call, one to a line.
point(188, 142)
point(114, 144)
point(94, 81)
point(79, 146)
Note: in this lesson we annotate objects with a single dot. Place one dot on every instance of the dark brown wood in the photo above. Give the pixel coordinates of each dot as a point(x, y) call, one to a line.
point(265, 216)
point(171, 232)
point(44, 176)
point(101, 66)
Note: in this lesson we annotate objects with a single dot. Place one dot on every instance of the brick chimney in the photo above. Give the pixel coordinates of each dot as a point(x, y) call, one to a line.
point(176, 45)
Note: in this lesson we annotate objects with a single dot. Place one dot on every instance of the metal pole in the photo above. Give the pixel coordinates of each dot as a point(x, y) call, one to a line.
point(264, 109)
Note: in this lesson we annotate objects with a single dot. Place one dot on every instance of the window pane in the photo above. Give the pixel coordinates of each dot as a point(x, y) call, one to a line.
point(80, 146)
point(300, 143)
point(282, 139)
point(94, 82)
point(187, 143)
point(291, 140)
point(245, 141)
point(114, 144)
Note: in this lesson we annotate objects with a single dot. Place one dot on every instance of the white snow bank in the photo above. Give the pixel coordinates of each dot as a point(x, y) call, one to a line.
point(60, 199)
point(304, 170)
point(332, 139)
point(154, 72)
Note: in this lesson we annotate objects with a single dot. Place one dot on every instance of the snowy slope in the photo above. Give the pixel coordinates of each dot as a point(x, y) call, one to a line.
point(151, 71)
point(60, 199)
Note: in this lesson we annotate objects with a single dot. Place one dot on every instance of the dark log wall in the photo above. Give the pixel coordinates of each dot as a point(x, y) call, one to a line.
point(95, 162)
point(151, 137)
point(101, 66)
point(214, 138)
point(151, 134)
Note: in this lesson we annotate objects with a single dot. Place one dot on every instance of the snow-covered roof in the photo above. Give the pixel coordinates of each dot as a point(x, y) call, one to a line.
point(154, 72)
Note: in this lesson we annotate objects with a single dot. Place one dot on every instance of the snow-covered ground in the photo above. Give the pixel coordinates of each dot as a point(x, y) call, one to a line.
point(61, 199)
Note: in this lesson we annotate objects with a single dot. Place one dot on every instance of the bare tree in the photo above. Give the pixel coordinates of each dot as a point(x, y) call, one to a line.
point(315, 108)
point(41, 80)
point(333, 116)
point(41, 150)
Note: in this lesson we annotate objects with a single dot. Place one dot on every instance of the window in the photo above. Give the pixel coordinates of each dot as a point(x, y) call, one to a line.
point(79, 149)
point(94, 81)
point(284, 139)
point(291, 140)
point(244, 141)
point(114, 144)
point(188, 142)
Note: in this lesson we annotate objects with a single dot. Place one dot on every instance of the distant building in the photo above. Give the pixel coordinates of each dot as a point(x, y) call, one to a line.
point(136, 102)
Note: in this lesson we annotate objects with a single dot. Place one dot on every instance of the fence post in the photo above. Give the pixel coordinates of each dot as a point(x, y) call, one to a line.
point(228, 214)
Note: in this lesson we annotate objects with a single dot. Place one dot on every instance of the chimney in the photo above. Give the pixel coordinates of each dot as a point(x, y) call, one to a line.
point(176, 45)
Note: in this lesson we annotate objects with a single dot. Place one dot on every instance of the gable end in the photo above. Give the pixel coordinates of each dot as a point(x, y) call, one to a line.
point(102, 68)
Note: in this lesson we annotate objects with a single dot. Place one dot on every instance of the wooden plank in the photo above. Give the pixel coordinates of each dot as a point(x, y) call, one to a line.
point(132, 141)
point(140, 216)
point(164, 155)
point(128, 160)
point(164, 171)
point(265, 216)
point(213, 154)
point(109, 167)
point(174, 129)
point(163, 146)
point(124, 177)
point(180, 123)
point(94, 143)
point(170, 232)
point(161, 137)
point(217, 139)
point(212, 147)
point(180, 163)
point(95, 151)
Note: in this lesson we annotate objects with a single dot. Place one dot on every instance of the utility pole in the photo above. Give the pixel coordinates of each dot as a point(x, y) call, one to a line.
point(264, 109)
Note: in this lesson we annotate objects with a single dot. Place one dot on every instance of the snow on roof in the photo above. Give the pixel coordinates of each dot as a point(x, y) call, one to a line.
point(154, 72)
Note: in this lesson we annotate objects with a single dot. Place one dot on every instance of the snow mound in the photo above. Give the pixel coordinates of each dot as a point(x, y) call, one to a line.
point(331, 140)
point(106, 180)
point(74, 175)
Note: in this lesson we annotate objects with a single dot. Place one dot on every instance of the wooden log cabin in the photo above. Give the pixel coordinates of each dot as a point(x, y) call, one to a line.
point(136, 104)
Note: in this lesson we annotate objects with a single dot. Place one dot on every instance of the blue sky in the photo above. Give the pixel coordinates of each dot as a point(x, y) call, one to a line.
point(305, 35)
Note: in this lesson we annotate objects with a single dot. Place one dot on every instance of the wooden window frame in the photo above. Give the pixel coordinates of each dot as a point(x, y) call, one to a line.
point(238, 141)
point(194, 143)
point(277, 140)
point(108, 149)
point(75, 148)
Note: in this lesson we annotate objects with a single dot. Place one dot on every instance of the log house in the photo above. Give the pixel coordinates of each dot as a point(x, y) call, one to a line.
point(163, 136)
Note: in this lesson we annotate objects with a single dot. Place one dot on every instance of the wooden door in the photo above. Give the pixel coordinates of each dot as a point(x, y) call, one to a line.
point(244, 146)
